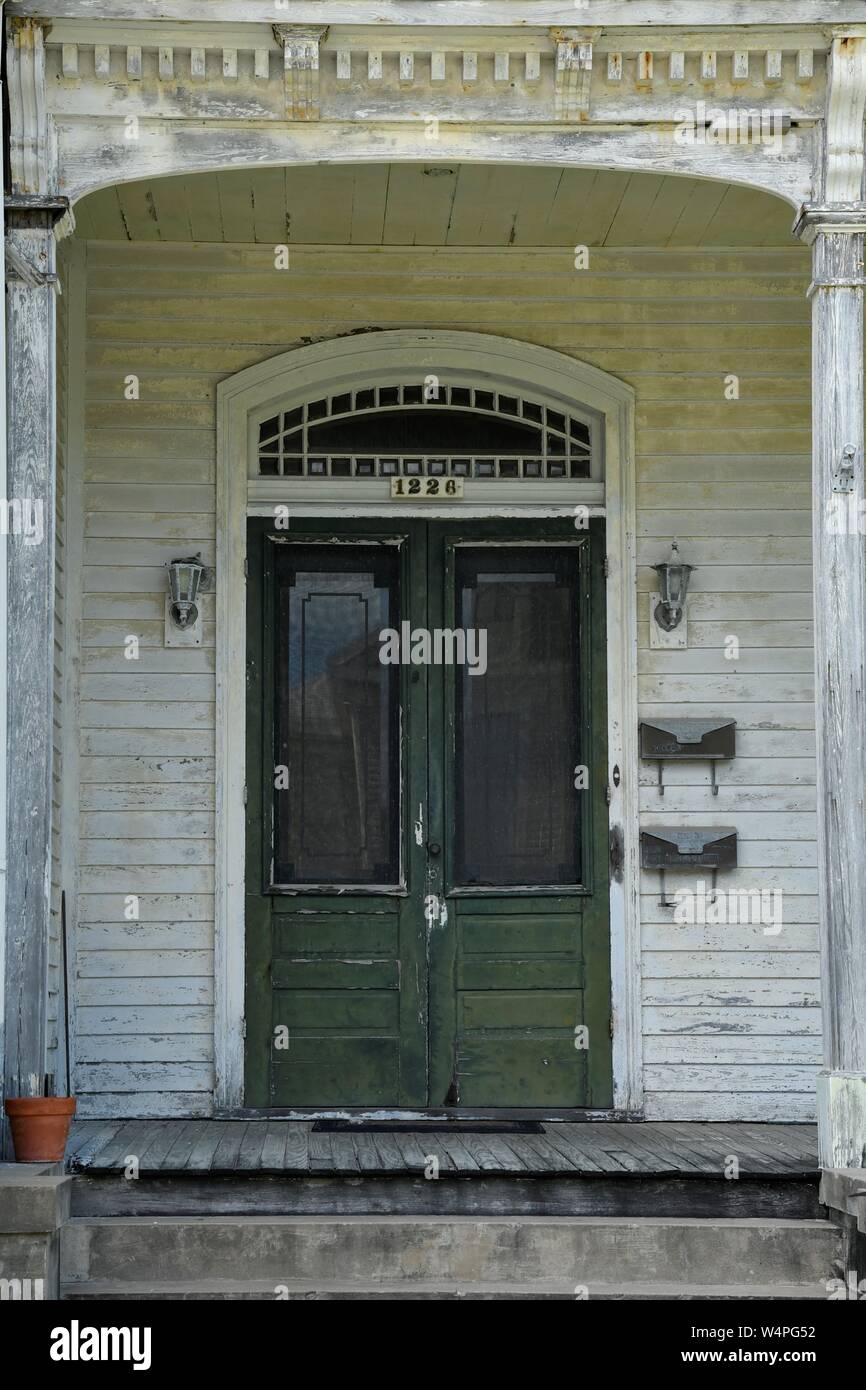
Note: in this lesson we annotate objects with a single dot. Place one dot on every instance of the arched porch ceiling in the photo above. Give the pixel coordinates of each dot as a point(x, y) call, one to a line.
point(437, 205)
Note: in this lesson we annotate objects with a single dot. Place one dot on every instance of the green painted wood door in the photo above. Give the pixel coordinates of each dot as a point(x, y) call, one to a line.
point(427, 863)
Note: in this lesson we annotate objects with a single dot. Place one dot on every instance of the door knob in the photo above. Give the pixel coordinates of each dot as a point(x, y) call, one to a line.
point(433, 848)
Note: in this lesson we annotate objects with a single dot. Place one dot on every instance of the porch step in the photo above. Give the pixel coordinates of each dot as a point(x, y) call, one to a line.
point(421, 1290)
point(366, 1256)
point(485, 1193)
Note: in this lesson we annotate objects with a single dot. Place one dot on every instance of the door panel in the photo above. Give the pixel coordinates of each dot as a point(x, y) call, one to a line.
point(336, 755)
point(523, 965)
point(427, 889)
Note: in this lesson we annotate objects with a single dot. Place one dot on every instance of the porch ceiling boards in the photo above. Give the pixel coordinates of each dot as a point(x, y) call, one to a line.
point(436, 205)
point(192, 1147)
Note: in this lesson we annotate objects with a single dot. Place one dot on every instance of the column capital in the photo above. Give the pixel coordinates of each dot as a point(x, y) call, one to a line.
point(816, 218)
point(33, 223)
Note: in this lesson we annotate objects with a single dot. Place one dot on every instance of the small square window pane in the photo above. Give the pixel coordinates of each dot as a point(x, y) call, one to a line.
point(460, 468)
point(317, 410)
point(436, 467)
point(556, 468)
point(461, 395)
point(412, 395)
point(365, 400)
point(318, 467)
point(484, 400)
point(388, 467)
point(293, 468)
point(532, 468)
point(341, 468)
point(508, 468)
point(531, 411)
point(389, 395)
point(269, 428)
point(413, 468)
point(485, 468)
point(365, 468)
point(341, 405)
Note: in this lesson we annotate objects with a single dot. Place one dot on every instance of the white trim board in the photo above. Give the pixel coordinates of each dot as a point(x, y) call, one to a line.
point(513, 366)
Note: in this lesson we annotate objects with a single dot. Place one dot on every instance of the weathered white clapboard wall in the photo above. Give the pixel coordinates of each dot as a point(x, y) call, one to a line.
point(731, 1015)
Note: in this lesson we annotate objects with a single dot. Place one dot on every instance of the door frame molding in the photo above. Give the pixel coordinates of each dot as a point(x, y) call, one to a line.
point(509, 365)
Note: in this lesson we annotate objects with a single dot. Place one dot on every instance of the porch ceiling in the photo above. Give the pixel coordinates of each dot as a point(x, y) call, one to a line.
point(436, 205)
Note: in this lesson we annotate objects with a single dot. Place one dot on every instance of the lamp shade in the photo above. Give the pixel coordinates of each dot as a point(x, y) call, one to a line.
point(184, 579)
point(674, 576)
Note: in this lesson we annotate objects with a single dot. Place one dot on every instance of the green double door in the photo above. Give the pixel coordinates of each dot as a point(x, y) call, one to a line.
point(427, 845)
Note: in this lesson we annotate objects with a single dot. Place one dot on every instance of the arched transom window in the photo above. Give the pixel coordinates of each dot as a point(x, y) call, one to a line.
point(426, 428)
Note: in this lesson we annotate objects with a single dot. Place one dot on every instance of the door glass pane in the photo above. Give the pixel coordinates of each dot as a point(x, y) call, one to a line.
point(336, 819)
point(518, 721)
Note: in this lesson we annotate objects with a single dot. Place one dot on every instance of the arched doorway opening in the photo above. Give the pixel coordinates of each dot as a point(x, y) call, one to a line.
point(315, 449)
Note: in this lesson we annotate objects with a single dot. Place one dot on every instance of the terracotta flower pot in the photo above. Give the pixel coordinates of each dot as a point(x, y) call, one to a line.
point(40, 1126)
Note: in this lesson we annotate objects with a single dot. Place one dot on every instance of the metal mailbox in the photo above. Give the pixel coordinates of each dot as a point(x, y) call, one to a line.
point(662, 739)
point(689, 847)
point(710, 847)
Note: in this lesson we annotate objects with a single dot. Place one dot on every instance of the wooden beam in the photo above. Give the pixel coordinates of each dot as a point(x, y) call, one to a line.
point(30, 316)
point(518, 14)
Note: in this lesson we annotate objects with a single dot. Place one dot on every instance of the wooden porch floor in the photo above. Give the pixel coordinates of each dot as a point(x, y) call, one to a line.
point(290, 1147)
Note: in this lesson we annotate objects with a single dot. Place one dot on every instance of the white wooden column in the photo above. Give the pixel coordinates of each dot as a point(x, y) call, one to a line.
point(30, 489)
point(834, 227)
point(839, 558)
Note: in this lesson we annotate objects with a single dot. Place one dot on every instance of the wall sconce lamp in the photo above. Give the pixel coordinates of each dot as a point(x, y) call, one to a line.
point(673, 586)
point(184, 581)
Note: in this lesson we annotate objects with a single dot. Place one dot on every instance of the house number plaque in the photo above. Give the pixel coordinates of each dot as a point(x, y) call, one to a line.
point(420, 489)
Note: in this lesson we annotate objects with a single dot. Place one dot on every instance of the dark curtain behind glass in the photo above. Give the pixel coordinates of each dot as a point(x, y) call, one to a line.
point(517, 725)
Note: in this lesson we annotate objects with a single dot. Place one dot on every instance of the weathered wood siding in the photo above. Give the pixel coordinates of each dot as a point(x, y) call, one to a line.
point(731, 1014)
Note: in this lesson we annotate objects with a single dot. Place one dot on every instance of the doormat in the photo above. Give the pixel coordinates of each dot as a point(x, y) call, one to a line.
point(428, 1127)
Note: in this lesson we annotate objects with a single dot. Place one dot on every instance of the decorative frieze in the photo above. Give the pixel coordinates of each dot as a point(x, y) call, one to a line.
point(574, 74)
